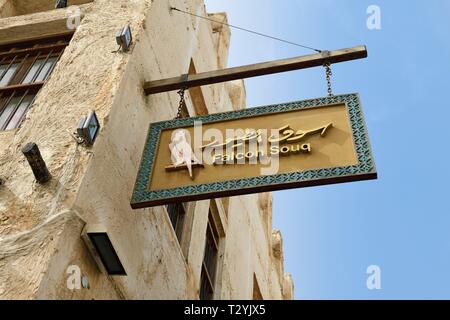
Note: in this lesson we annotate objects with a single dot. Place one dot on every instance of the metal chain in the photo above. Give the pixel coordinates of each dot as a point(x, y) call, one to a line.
point(328, 75)
point(180, 105)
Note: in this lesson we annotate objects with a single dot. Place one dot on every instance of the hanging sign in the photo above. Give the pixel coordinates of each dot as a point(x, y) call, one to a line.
point(275, 147)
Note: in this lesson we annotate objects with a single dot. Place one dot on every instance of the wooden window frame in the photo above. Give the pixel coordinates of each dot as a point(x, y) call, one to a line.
point(26, 54)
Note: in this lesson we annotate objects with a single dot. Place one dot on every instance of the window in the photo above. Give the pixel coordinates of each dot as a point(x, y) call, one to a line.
point(177, 212)
point(209, 264)
point(24, 68)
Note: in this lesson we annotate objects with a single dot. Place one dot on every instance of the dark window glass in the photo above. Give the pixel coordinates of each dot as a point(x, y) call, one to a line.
point(209, 264)
point(176, 212)
point(206, 289)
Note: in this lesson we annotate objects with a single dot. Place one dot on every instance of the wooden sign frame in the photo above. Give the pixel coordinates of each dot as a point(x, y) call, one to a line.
point(364, 170)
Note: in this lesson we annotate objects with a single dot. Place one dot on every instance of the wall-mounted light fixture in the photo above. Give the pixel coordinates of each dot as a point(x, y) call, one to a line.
point(37, 163)
point(99, 244)
point(60, 4)
point(88, 128)
point(124, 38)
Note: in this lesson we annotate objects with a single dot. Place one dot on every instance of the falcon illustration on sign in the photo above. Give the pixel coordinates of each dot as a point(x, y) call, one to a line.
point(182, 155)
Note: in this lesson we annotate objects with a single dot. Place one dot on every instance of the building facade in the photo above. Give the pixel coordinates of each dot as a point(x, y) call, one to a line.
point(56, 66)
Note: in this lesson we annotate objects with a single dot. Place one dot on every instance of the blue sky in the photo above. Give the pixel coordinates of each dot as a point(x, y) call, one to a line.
point(400, 222)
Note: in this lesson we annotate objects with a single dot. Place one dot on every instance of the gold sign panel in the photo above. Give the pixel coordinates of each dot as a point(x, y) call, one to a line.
point(267, 148)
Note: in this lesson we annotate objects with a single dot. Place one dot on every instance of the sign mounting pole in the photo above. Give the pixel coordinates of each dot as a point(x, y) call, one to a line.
point(254, 70)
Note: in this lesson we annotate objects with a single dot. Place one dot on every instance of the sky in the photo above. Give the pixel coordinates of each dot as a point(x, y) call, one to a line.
point(401, 221)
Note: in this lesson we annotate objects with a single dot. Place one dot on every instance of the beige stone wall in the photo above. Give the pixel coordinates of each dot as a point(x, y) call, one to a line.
point(40, 225)
point(9, 8)
point(6, 8)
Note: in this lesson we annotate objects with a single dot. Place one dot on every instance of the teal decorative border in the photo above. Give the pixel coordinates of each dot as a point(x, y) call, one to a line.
point(365, 169)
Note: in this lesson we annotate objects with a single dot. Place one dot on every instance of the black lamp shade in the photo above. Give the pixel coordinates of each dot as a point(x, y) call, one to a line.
point(124, 38)
point(61, 4)
point(88, 128)
point(107, 253)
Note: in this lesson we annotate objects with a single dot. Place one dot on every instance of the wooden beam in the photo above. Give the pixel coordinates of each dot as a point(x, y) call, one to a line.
point(38, 166)
point(42, 49)
point(33, 87)
point(254, 70)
